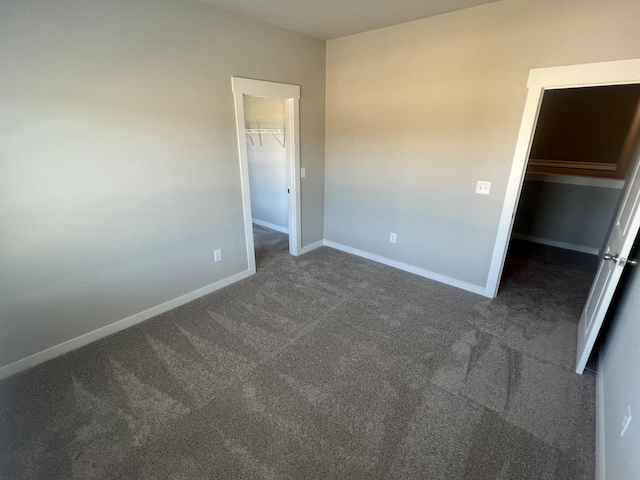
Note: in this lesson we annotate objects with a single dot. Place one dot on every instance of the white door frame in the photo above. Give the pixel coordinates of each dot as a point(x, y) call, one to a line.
point(291, 96)
point(586, 75)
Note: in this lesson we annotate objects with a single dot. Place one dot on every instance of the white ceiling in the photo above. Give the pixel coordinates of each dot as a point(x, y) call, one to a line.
point(327, 19)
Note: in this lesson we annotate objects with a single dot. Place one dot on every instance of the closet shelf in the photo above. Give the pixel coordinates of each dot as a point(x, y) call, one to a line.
point(250, 132)
point(264, 130)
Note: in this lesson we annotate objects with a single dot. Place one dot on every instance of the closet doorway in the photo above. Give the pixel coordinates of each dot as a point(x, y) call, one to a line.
point(265, 135)
point(628, 216)
point(581, 150)
point(267, 124)
point(584, 148)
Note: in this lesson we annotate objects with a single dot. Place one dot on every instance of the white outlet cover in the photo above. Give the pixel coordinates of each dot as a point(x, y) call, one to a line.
point(303, 172)
point(483, 187)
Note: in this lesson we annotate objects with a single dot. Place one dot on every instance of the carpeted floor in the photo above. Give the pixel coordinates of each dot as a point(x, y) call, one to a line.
point(325, 366)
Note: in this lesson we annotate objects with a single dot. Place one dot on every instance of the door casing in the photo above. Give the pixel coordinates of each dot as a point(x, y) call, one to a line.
point(291, 96)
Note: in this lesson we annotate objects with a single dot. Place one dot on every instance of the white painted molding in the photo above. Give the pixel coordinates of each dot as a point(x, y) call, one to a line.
point(541, 79)
point(262, 88)
point(601, 473)
point(311, 246)
point(469, 287)
point(82, 340)
point(573, 180)
point(272, 226)
point(617, 72)
point(555, 243)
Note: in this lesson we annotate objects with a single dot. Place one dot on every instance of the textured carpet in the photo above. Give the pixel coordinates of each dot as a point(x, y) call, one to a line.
point(325, 366)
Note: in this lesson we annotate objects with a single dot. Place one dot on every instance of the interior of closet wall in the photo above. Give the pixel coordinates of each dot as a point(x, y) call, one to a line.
point(268, 173)
point(577, 166)
point(566, 212)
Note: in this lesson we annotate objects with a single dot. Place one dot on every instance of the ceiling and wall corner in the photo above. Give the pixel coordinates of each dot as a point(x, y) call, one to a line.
point(329, 19)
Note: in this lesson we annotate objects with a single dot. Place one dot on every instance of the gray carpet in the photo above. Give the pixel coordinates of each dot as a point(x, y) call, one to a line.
point(325, 366)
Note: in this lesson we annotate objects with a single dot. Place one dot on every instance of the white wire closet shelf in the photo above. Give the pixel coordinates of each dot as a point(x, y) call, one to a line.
point(250, 132)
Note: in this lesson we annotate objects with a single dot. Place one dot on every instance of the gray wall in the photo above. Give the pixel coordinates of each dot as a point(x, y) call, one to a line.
point(618, 369)
point(418, 112)
point(574, 215)
point(119, 171)
point(267, 161)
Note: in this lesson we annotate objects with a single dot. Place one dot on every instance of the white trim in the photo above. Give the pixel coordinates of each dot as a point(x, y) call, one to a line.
point(574, 180)
point(272, 226)
point(587, 75)
point(291, 96)
point(292, 147)
point(244, 184)
point(600, 427)
point(409, 268)
point(262, 88)
point(311, 246)
point(82, 340)
point(617, 72)
point(555, 243)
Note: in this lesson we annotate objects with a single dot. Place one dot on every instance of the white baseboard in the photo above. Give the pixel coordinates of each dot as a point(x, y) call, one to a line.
point(600, 437)
point(272, 226)
point(410, 268)
point(555, 243)
point(311, 246)
point(82, 340)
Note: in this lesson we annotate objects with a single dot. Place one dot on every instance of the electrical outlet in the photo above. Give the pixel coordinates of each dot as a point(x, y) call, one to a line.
point(483, 187)
point(303, 172)
point(392, 237)
point(217, 255)
point(626, 420)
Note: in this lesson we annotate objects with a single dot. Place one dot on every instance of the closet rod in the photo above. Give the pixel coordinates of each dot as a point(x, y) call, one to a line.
point(260, 131)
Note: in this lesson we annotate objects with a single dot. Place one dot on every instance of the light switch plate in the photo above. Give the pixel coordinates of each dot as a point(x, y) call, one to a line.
point(483, 187)
point(303, 172)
